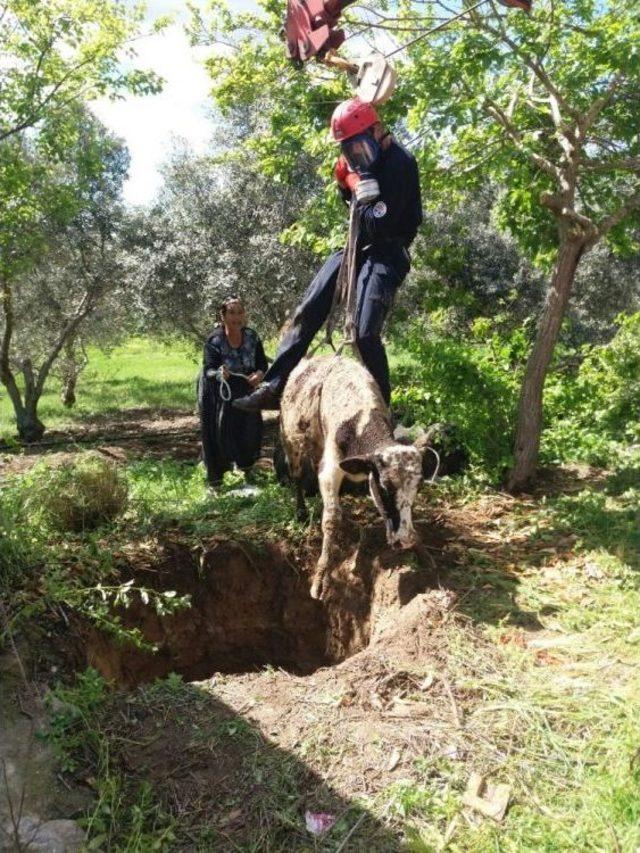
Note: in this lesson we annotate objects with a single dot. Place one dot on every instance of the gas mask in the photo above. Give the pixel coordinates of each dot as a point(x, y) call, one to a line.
point(361, 151)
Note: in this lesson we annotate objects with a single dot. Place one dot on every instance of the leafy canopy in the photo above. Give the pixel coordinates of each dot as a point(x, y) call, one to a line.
point(56, 52)
point(543, 104)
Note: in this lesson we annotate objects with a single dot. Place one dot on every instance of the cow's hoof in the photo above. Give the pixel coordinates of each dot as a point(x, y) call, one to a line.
point(316, 589)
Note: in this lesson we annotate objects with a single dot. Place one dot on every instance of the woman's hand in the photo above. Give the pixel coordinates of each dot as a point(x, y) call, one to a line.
point(224, 370)
point(255, 378)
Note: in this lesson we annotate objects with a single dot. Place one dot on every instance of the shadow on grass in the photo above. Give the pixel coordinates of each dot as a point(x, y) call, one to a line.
point(481, 575)
point(112, 395)
point(587, 510)
point(626, 477)
point(602, 523)
point(228, 785)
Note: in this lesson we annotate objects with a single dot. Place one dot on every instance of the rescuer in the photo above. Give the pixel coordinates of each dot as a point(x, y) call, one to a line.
point(383, 176)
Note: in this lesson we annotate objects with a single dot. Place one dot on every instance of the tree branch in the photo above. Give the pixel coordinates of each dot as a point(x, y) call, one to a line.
point(536, 67)
point(609, 222)
point(501, 116)
point(36, 112)
point(556, 203)
point(600, 103)
point(622, 164)
point(81, 312)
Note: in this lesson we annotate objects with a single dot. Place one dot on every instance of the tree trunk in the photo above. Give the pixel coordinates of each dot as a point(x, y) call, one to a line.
point(68, 392)
point(30, 427)
point(527, 444)
point(70, 368)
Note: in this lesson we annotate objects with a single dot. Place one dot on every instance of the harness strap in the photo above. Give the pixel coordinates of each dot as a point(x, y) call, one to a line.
point(346, 288)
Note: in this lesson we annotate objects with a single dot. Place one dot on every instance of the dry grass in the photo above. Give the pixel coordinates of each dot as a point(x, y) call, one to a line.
point(81, 493)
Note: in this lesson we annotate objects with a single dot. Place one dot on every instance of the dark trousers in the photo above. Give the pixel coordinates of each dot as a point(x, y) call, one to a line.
point(380, 273)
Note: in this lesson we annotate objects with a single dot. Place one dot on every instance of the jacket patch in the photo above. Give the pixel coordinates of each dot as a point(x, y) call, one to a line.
point(379, 209)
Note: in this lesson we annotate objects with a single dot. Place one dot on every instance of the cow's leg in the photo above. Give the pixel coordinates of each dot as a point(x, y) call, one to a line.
point(330, 478)
point(302, 513)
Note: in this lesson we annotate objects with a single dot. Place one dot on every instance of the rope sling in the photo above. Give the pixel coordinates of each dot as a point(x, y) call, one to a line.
point(346, 290)
point(225, 388)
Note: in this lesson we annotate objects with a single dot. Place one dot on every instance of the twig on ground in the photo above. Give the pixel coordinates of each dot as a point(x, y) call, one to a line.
point(15, 818)
point(6, 626)
point(454, 705)
point(355, 826)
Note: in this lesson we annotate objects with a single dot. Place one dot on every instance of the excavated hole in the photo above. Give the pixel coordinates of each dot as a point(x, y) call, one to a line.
point(249, 608)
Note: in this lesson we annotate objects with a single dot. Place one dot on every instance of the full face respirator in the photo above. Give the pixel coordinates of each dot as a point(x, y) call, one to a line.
point(362, 153)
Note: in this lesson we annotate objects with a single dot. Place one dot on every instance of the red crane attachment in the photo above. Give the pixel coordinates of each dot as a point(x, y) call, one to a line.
point(310, 26)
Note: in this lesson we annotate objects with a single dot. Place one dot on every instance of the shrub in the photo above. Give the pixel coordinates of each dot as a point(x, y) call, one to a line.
point(471, 382)
point(599, 404)
point(80, 494)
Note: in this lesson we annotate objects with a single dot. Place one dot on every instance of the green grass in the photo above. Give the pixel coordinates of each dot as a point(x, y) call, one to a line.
point(163, 495)
point(142, 373)
point(559, 716)
point(545, 656)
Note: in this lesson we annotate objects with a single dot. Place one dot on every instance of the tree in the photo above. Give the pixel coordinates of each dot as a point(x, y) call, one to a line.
point(59, 53)
point(545, 105)
point(214, 232)
point(55, 54)
point(606, 285)
point(465, 266)
point(64, 262)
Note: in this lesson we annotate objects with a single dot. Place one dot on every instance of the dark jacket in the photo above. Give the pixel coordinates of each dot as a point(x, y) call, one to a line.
point(397, 214)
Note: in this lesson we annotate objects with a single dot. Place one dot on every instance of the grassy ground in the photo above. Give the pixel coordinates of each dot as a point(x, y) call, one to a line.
point(532, 680)
point(142, 373)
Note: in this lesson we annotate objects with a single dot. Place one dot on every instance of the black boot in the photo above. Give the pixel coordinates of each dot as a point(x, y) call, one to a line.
point(262, 398)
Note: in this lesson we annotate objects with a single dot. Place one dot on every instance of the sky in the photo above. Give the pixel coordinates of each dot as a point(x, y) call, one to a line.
point(183, 109)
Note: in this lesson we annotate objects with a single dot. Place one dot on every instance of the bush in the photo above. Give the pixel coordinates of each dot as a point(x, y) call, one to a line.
point(472, 383)
point(592, 395)
point(81, 494)
point(598, 405)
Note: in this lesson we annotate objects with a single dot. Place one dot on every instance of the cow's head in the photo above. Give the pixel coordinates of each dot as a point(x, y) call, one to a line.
point(394, 474)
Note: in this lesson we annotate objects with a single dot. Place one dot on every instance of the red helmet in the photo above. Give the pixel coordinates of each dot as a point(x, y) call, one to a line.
point(350, 118)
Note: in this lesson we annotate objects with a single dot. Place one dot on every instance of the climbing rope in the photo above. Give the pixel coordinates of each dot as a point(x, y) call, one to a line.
point(225, 388)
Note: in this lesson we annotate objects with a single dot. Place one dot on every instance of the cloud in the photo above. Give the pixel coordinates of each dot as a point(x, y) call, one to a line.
point(148, 124)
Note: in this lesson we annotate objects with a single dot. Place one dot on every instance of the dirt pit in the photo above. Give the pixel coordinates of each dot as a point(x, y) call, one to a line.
point(252, 607)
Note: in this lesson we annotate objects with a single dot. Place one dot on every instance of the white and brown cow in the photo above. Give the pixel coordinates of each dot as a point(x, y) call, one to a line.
point(335, 422)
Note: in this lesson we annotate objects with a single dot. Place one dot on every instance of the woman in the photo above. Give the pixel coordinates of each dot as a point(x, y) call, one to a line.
point(234, 362)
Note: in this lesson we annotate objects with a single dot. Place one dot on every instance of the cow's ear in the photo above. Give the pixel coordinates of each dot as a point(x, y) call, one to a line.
point(357, 464)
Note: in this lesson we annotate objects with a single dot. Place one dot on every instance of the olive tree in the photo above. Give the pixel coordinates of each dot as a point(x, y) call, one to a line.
point(214, 232)
point(55, 57)
point(48, 297)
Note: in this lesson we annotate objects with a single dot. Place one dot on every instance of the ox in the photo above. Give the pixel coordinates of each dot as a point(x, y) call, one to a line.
point(335, 423)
